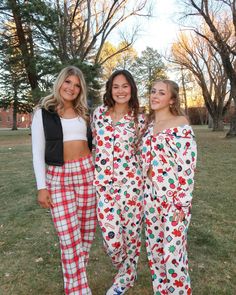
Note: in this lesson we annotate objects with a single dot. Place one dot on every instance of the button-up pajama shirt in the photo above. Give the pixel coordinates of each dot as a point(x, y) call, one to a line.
point(172, 156)
point(119, 189)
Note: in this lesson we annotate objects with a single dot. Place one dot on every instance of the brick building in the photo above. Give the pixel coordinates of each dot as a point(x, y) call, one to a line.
point(6, 119)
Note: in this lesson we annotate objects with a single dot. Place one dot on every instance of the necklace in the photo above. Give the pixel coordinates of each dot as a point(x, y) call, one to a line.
point(67, 113)
point(156, 122)
point(162, 124)
point(117, 116)
point(119, 113)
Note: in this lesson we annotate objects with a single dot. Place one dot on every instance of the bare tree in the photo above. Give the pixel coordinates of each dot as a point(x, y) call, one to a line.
point(195, 54)
point(55, 33)
point(80, 28)
point(183, 84)
point(111, 60)
point(215, 14)
point(25, 43)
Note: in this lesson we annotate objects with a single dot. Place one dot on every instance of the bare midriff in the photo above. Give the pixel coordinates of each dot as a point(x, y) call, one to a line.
point(76, 149)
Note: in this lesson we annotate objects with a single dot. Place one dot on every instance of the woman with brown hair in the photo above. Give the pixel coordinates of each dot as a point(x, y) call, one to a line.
point(117, 126)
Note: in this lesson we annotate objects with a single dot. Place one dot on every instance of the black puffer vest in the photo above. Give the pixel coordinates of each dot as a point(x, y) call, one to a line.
point(54, 138)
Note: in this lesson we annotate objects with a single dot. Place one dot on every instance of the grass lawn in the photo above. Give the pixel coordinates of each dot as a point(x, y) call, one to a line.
point(29, 251)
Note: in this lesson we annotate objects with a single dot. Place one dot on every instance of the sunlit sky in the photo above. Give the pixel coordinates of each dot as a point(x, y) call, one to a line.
point(157, 32)
point(160, 31)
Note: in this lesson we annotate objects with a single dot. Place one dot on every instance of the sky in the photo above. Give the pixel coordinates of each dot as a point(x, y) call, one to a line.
point(160, 31)
point(157, 32)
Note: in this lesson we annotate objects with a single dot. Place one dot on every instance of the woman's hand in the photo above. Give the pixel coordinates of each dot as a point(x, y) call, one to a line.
point(44, 198)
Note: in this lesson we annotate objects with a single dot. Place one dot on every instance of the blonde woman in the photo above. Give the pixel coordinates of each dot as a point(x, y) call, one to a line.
point(64, 173)
point(169, 154)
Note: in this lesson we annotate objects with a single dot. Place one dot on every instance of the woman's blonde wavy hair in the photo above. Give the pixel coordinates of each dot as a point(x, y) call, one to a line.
point(54, 101)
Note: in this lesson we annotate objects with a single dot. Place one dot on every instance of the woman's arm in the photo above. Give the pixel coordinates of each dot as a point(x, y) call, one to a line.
point(38, 150)
point(186, 164)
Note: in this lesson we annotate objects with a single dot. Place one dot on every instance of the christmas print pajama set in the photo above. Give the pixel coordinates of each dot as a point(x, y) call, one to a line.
point(171, 154)
point(119, 189)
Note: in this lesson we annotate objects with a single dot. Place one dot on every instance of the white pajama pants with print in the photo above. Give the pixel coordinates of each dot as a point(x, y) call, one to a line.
point(120, 216)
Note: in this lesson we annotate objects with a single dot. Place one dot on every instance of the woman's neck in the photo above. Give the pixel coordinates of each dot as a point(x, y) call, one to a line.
point(161, 116)
point(120, 109)
point(67, 111)
point(118, 112)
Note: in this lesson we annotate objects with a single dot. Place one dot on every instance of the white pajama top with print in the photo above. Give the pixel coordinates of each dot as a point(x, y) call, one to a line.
point(116, 162)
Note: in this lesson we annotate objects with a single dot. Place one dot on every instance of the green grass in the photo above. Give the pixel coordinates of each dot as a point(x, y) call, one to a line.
point(29, 251)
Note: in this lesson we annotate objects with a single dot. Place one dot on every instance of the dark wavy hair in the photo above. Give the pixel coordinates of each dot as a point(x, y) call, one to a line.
point(133, 102)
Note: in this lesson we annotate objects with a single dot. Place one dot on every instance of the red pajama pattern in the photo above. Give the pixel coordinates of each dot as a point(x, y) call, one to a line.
point(172, 154)
point(119, 185)
point(74, 217)
point(120, 216)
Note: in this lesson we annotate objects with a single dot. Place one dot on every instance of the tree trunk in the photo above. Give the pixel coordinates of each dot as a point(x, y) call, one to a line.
point(232, 129)
point(15, 111)
point(218, 124)
point(210, 121)
point(184, 93)
point(28, 57)
point(14, 124)
point(200, 116)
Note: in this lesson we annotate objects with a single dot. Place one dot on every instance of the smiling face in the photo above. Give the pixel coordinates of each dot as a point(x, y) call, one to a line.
point(161, 97)
point(70, 89)
point(121, 90)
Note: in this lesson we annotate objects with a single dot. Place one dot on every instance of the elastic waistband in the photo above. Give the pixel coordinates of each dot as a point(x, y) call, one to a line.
point(79, 160)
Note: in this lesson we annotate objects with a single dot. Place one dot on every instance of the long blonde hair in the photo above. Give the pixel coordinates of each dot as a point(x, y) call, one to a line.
point(54, 100)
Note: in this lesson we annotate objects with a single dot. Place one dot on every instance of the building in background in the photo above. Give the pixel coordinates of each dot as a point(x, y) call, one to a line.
point(6, 119)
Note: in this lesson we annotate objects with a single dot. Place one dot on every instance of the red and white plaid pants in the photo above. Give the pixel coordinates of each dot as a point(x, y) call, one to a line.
point(74, 217)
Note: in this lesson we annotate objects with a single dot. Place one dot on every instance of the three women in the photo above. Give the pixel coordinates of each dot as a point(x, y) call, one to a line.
point(165, 172)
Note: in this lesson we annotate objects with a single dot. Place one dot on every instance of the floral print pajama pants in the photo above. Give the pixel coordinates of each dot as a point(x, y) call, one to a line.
point(166, 243)
point(74, 216)
point(120, 216)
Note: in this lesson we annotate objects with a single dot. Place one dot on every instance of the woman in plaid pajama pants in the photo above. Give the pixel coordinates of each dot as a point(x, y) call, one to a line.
point(65, 185)
point(118, 177)
point(169, 156)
